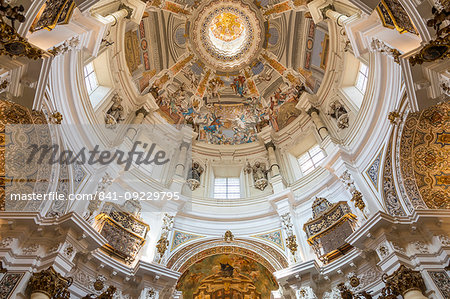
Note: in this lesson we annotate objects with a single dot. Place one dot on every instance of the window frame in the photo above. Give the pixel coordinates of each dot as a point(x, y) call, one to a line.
point(362, 78)
point(235, 193)
point(88, 76)
point(310, 159)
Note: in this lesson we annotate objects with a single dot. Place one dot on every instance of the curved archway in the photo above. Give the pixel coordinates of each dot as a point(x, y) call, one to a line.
point(269, 257)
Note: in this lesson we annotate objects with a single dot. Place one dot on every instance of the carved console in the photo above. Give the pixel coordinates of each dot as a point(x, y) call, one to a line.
point(330, 226)
point(123, 229)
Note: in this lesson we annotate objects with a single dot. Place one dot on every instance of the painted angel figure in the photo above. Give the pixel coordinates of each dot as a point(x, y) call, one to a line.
point(239, 123)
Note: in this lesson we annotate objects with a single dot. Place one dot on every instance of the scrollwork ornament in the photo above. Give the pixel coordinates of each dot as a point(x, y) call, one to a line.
point(161, 246)
point(357, 197)
point(395, 118)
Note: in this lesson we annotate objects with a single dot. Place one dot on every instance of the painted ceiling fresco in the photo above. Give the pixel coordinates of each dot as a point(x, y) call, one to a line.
point(227, 276)
point(223, 67)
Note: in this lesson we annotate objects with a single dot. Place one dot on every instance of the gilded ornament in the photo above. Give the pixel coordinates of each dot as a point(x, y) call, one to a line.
point(228, 237)
point(291, 243)
point(354, 281)
point(227, 26)
point(56, 118)
point(14, 45)
point(331, 224)
point(12, 13)
point(357, 198)
point(393, 15)
point(162, 245)
point(99, 284)
point(439, 48)
point(435, 50)
point(11, 43)
point(395, 117)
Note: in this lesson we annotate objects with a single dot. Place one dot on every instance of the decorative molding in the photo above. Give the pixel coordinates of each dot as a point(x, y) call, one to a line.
point(391, 199)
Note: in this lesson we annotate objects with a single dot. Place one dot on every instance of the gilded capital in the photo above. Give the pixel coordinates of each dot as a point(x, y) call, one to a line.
point(51, 283)
point(402, 281)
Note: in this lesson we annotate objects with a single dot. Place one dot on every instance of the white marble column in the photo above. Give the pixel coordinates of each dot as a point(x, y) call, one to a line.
point(122, 13)
point(180, 167)
point(320, 126)
point(276, 179)
point(322, 9)
point(140, 115)
point(329, 12)
point(273, 164)
point(414, 294)
point(39, 296)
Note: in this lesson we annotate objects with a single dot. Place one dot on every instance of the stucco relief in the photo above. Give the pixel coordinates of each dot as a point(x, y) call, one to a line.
point(425, 156)
point(391, 199)
point(20, 127)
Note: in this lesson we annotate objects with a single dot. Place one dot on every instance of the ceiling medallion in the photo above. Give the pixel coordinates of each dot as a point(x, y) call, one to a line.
point(227, 35)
